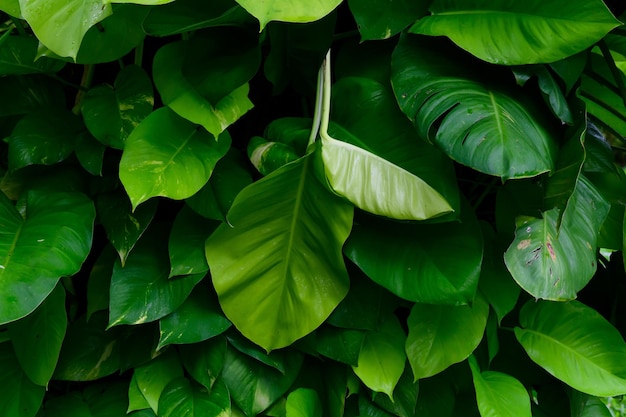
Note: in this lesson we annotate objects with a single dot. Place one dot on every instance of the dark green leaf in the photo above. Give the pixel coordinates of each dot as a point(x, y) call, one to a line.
point(180, 398)
point(583, 405)
point(186, 243)
point(99, 283)
point(29, 93)
point(404, 396)
point(204, 361)
point(267, 156)
point(153, 377)
point(17, 56)
point(382, 19)
point(20, 396)
point(90, 153)
point(342, 345)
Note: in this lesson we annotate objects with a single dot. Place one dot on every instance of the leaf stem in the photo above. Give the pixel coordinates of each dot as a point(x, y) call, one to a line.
point(139, 54)
point(321, 116)
point(85, 84)
point(317, 114)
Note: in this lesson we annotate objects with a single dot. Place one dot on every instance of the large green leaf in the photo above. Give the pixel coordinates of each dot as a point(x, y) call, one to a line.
point(47, 236)
point(277, 267)
point(440, 336)
point(37, 338)
point(576, 344)
point(214, 96)
point(61, 24)
point(499, 394)
point(17, 56)
point(405, 258)
point(181, 398)
point(141, 291)
point(382, 358)
point(204, 361)
point(111, 114)
point(554, 261)
point(382, 19)
point(303, 402)
point(295, 11)
point(528, 32)
point(450, 101)
point(168, 156)
point(20, 396)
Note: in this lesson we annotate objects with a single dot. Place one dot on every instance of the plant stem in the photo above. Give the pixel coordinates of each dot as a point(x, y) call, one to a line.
point(326, 96)
point(19, 26)
point(85, 84)
point(317, 114)
point(139, 54)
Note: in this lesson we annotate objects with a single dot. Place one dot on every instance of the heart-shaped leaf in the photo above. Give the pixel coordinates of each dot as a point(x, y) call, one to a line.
point(489, 128)
point(296, 11)
point(168, 156)
point(111, 114)
point(277, 267)
point(186, 243)
point(303, 402)
point(181, 398)
point(519, 33)
point(61, 24)
point(154, 376)
point(575, 344)
point(47, 236)
point(22, 397)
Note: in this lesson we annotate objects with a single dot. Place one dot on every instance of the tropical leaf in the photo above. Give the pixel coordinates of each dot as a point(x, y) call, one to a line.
point(152, 378)
point(440, 336)
point(21, 397)
point(575, 344)
point(519, 33)
point(277, 267)
point(554, 261)
point(186, 243)
point(269, 156)
point(168, 156)
point(204, 361)
point(295, 11)
point(499, 394)
point(483, 126)
point(17, 56)
point(181, 398)
point(73, 18)
point(47, 236)
point(382, 19)
point(303, 402)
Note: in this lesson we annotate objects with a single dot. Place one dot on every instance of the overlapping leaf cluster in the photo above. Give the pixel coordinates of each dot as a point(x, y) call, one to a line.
point(194, 222)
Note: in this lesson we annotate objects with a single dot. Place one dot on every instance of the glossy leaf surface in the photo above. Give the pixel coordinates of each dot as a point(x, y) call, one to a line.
point(277, 268)
point(521, 33)
point(153, 377)
point(298, 11)
point(182, 399)
point(186, 243)
point(17, 56)
point(49, 237)
point(474, 122)
point(575, 344)
point(382, 19)
point(303, 402)
point(168, 156)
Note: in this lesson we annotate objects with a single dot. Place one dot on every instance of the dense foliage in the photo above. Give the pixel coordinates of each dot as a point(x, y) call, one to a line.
point(205, 214)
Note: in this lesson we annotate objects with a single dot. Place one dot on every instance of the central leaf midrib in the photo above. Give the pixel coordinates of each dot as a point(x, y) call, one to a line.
point(11, 250)
point(516, 15)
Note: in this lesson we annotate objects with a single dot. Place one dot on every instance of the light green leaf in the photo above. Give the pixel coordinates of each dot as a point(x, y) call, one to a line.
point(111, 114)
point(168, 156)
point(186, 243)
point(141, 291)
point(47, 236)
point(499, 394)
point(576, 344)
point(405, 258)
point(440, 336)
point(214, 96)
point(153, 377)
point(489, 128)
point(277, 268)
point(303, 402)
point(61, 24)
point(382, 19)
point(197, 319)
point(519, 33)
point(553, 261)
point(382, 358)
point(404, 396)
point(21, 397)
point(182, 399)
point(136, 400)
point(11, 7)
point(37, 338)
point(295, 11)
point(144, 2)
point(17, 56)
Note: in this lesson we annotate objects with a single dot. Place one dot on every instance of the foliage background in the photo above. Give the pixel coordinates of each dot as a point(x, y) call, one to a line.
point(195, 221)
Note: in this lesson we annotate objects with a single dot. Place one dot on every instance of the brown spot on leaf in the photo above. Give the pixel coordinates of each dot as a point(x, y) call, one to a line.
point(551, 251)
point(523, 244)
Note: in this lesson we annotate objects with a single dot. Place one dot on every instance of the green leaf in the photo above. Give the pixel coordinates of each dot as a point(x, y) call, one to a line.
point(29, 93)
point(276, 359)
point(303, 402)
point(253, 386)
point(123, 226)
point(576, 344)
point(43, 137)
point(37, 338)
point(404, 396)
point(182, 399)
point(186, 243)
point(168, 156)
point(99, 400)
point(204, 361)
point(295, 11)
point(382, 19)
point(382, 358)
point(153, 377)
point(197, 319)
point(555, 262)
point(111, 114)
point(342, 345)
point(141, 291)
point(89, 351)
point(90, 153)
point(47, 236)
point(190, 87)
point(20, 396)
point(452, 103)
point(521, 33)
point(583, 405)
point(113, 37)
point(440, 336)
point(136, 400)
point(499, 394)
point(51, 18)
point(269, 156)
point(99, 283)
point(17, 56)
point(11, 7)
point(277, 267)
point(409, 262)
point(189, 15)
